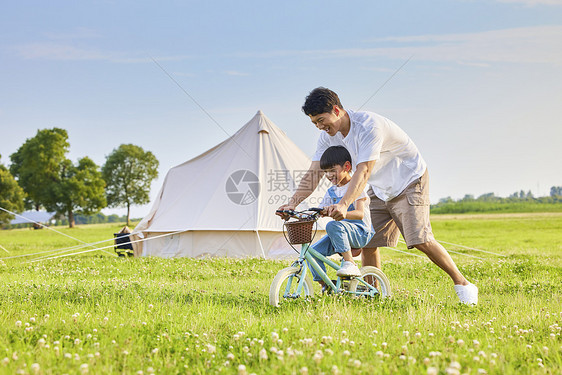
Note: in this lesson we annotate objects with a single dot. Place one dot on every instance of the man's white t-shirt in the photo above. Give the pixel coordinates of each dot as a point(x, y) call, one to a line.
point(339, 192)
point(374, 137)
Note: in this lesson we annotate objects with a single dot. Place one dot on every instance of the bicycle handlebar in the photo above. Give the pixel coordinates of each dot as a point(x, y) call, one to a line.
point(292, 213)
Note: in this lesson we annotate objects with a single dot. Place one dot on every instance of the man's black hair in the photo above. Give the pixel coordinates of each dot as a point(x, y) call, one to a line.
point(335, 155)
point(320, 100)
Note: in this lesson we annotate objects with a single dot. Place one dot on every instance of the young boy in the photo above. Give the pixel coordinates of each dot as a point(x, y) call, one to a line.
point(353, 232)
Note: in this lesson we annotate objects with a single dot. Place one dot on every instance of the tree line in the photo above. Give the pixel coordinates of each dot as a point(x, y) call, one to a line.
point(519, 201)
point(41, 176)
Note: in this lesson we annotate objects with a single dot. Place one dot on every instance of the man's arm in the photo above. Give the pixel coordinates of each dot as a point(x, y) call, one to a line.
point(307, 185)
point(356, 186)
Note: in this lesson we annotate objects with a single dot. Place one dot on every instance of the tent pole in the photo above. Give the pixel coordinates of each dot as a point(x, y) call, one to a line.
point(261, 246)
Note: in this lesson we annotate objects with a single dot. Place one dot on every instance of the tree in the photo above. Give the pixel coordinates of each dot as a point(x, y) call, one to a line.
point(80, 189)
point(11, 195)
point(128, 173)
point(52, 181)
point(556, 191)
point(36, 164)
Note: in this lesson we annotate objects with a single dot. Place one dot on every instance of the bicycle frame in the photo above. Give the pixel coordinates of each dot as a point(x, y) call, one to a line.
point(310, 255)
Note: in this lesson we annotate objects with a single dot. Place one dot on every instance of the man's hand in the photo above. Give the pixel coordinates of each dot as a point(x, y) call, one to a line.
point(285, 207)
point(337, 211)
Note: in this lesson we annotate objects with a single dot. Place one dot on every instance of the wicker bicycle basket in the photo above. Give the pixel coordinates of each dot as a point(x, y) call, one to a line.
point(299, 232)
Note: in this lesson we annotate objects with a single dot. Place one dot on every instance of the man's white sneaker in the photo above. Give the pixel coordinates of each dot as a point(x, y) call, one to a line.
point(467, 293)
point(348, 269)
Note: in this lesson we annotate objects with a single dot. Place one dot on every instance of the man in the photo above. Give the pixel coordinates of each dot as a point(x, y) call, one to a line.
point(387, 160)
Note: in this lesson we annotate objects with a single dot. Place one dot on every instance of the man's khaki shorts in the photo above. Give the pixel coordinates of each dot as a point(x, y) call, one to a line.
point(408, 213)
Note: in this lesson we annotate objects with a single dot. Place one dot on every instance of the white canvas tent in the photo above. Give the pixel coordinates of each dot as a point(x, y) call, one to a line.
point(223, 202)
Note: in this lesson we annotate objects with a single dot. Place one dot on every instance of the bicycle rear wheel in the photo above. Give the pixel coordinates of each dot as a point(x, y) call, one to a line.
point(285, 286)
point(369, 274)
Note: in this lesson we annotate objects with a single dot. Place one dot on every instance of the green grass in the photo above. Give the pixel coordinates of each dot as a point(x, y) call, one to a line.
point(100, 314)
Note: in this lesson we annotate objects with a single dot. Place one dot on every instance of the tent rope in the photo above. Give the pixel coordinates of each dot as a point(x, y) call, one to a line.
point(454, 252)
point(105, 247)
point(2, 247)
point(44, 226)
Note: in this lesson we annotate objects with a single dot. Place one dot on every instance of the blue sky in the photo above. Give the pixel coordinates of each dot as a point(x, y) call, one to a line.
point(480, 96)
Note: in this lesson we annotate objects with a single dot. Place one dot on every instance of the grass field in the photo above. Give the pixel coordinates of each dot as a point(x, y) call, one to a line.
point(96, 314)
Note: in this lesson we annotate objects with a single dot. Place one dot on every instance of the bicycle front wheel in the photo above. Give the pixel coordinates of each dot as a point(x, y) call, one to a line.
point(287, 285)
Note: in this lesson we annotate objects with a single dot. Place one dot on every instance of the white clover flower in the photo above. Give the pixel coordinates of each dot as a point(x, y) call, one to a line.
point(18, 323)
point(84, 368)
point(32, 320)
point(417, 335)
point(402, 357)
point(335, 370)
point(263, 354)
point(304, 370)
point(230, 356)
point(6, 361)
point(357, 363)
point(211, 348)
point(346, 353)
point(384, 345)
point(432, 371)
point(76, 341)
point(406, 333)
point(242, 370)
point(35, 367)
point(274, 336)
point(379, 354)
point(426, 361)
point(460, 342)
point(41, 342)
point(455, 365)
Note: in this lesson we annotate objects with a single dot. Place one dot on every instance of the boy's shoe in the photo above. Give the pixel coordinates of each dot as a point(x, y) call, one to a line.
point(348, 269)
point(467, 293)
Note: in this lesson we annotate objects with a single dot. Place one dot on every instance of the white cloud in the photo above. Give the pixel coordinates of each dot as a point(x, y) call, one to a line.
point(539, 44)
point(68, 52)
point(236, 73)
point(533, 2)
point(79, 33)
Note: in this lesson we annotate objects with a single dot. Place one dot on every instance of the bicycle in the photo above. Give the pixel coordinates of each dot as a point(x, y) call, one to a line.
point(294, 282)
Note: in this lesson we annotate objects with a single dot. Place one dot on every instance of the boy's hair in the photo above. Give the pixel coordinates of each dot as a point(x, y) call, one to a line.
point(320, 100)
point(335, 155)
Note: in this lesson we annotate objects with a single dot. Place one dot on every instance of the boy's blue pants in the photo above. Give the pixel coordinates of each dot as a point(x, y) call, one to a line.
point(342, 236)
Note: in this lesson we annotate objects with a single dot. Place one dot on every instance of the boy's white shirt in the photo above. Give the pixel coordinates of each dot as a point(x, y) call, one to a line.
point(374, 137)
point(340, 192)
